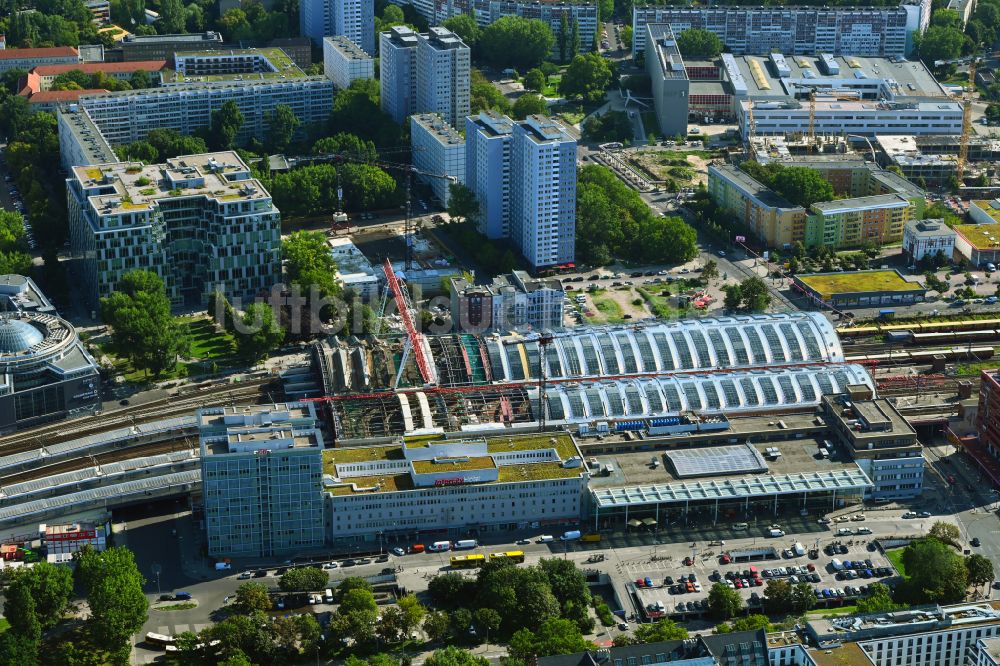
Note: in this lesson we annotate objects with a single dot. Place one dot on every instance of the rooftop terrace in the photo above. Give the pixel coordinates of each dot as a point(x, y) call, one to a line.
point(272, 61)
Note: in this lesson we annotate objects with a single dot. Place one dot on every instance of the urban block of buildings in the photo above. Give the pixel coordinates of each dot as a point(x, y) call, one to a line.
point(865, 289)
point(261, 470)
point(201, 222)
point(46, 373)
point(354, 271)
point(161, 47)
point(879, 439)
point(881, 204)
point(186, 106)
point(354, 19)
point(344, 61)
point(36, 86)
point(438, 150)
point(524, 176)
point(854, 94)
point(551, 12)
point(934, 159)
point(212, 66)
point(489, 484)
point(424, 73)
point(849, 31)
point(923, 238)
point(514, 302)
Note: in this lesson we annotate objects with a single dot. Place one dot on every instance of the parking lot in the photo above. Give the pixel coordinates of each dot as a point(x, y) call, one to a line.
point(11, 200)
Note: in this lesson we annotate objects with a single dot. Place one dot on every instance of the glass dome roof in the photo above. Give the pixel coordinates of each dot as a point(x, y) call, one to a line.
point(17, 336)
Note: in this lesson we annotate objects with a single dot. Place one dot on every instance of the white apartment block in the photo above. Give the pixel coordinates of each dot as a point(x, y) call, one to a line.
point(443, 75)
point(438, 149)
point(927, 237)
point(543, 192)
point(344, 61)
point(490, 485)
point(127, 116)
point(988, 652)
point(354, 19)
point(397, 72)
point(489, 138)
point(858, 31)
point(80, 141)
point(201, 222)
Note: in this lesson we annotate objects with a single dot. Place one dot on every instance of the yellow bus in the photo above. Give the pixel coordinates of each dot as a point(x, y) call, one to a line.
point(515, 556)
point(467, 561)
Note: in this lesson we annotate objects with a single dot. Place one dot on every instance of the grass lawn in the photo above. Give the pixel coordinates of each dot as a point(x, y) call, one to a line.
point(571, 113)
point(551, 88)
point(4, 625)
point(895, 556)
point(838, 283)
point(176, 607)
point(840, 610)
point(610, 309)
point(208, 346)
point(976, 368)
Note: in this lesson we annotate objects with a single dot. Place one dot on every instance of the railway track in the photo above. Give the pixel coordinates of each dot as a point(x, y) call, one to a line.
point(177, 405)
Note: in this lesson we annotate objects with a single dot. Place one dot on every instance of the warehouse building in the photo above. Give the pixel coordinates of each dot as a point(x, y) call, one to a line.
point(864, 289)
point(979, 243)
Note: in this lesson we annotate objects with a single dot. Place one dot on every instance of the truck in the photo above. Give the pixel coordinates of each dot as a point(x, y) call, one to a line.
point(465, 544)
point(223, 566)
point(798, 548)
point(439, 547)
point(591, 537)
point(571, 535)
point(339, 217)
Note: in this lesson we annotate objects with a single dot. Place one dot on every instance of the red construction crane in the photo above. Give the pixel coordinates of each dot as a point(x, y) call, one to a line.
point(415, 339)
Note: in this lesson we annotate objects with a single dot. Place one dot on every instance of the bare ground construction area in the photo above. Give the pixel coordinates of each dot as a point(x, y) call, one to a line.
point(676, 168)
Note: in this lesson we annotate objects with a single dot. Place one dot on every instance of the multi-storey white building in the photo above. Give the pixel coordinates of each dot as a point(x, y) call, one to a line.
point(201, 222)
point(261, 470)
point(488, 485)
point(543, 192)
point(863, 117)
point(344, 61)
point(583, 14)
point(28, 59)
point(80, 141)
point(513, 302)
point(443, 75)
point(928, 237)
point(127, 116)
point(397, 72)
point(488, 140)
point(437, 149)
point(354, 19)
point(859, 31)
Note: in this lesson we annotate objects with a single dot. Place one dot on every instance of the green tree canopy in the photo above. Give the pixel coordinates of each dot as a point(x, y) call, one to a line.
point(803, 186)
point(516, 42)
point(484, 96)
point(724, 602)
point(465, 27)
point(535, 80)
point(699, 43)
point(259, 334)
point(946, 532)
point(251, 596)
point(553, 636)
point(751, 622)
point(226, 123)
point(138, 312)
point(304, 579)
point(661, 630)
point(935, 573)
point(118, 606)
point(778, 596)
point(342, 142)
point(282, 123)
point(879, 600)
point(939, 43)
point(462, 203)
point(980, 569)
point(529, 104)
point(453, 656)
point(586, 78)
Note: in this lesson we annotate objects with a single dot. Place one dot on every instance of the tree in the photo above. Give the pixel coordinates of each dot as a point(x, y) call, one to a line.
point(303, 579)
point(251, 596)
point(436, 625)
point(226, 121)
point(282, 124)
point(529, 104)
point(935, 573)
point(259, 334)
point(18, 650)
point(21, 612)
point(516, 42)
point(357, 615)
point(756, 297)
point(173, 17)
point(586, 78)
point(47, 586)
point(710, 270)
point(562, 39)
point(733, 299)
point(751, 622)
point(342, 142)
point(778, 596)
point(413, 612)
point(535, 80)
point(934, 283)
point(465, 27)
point(661, 630)
point(980, 569)
point(449, 590)
point(946, 532)
point(247, 636)
point(724, 602)
point(453, 656)
point(142, 327)
point(569, 586)
point(554, 636)
point(574, 40)
point(939, 43)
point(803, 597)
point(626, 36)
point(803, 186)
point(879, 600)
point(699, 43)
point(351, 583)
point(118, 606)
point(309, 265)
point(462, 203)
point(488, 620)
point(484, 96)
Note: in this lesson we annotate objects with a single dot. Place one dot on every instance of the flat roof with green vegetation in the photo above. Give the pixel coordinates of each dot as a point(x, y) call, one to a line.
point(333, 457)
point(537, 472)
point(285, 67)
point(990, 207)
point(452, 465)
point(854, 282)
point(981, 236)
point(560, 441)
point(385, 483)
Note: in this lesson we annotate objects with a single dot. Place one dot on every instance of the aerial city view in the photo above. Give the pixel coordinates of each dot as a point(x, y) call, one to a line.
point(500, 333)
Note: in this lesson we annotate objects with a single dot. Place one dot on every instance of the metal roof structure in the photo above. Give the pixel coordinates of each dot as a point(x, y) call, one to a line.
point(717, 460)
point(665, 347)
point(116, 494)
point(706, 394)
point(743, 488)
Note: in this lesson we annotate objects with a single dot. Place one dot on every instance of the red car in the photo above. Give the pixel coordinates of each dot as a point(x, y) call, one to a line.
point(811, 567)
point(725, 559)
point(688, 561)
point(639, 582)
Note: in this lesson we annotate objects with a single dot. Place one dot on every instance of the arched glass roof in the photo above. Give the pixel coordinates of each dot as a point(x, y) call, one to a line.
point(706, 394)
point(758, 341)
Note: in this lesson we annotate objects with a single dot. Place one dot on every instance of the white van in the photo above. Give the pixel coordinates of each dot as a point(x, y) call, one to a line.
point(465, 544)
point(439, 546)
point(546, 538)
point(741, 526)
point(328, 596)
point(799, 549)
point(776, 532)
